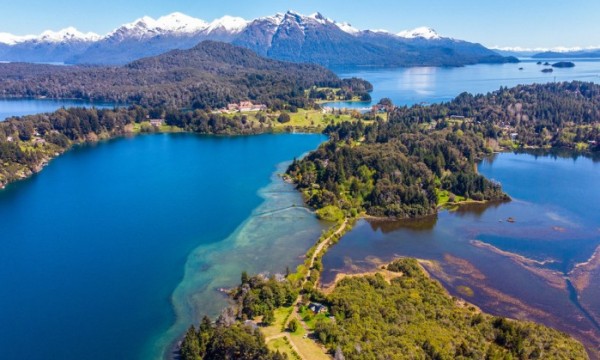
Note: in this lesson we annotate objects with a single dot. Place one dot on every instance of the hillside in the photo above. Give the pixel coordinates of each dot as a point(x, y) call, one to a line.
point(580, 54)
point(210, 74)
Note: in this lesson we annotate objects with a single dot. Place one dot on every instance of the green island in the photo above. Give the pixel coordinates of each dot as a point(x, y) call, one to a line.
point(408, 163)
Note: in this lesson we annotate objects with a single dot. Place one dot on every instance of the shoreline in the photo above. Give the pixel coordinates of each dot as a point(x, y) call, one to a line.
point(103, 138)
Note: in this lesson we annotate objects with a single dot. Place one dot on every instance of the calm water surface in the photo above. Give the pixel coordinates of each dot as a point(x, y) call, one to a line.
point(407, 86)
point(114, 249)
point(514, 269)
point(22, 107)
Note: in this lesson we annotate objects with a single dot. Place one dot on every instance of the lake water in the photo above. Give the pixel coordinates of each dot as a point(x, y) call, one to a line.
point(22, 107)
point(116, 248)
point(407, 86)
point(512, 269)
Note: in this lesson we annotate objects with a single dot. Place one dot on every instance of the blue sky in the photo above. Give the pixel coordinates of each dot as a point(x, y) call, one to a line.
point(526, 23)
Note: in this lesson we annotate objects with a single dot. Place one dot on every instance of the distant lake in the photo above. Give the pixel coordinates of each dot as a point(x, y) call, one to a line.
point(22, 107)
point(512, 269)
point(408, 86)
point(114, 249)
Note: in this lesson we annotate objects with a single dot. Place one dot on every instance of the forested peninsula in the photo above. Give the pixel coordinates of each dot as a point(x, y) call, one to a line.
point(396, 313)
point(420, 157)
point(393, 162)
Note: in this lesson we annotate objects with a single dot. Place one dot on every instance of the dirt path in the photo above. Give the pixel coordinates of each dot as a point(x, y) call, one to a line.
point(323, 245)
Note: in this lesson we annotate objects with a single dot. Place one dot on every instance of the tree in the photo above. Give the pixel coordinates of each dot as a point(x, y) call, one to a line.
point(293, 325)
point(190, 347)
point(269, 318)
point(284, 118)
point(244, 277)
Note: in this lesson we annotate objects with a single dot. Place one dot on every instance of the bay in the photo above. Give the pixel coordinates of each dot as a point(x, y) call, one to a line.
point(408, 86)
point(540, 267)
point(93, 248)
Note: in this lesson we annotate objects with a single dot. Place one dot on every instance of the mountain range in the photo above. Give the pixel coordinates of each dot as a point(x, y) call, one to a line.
point(290, 36)
point(551, 53)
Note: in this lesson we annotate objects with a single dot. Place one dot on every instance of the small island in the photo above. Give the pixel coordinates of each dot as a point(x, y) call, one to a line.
point(563, 64)
point(547, 70)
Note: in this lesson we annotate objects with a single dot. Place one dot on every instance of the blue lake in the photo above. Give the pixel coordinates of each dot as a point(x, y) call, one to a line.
point(407, 86)
point(114, 249)
point(514, 269)
point(22, 107)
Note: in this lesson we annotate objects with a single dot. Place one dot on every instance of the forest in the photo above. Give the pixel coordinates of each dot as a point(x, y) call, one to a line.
point(412, 317)
point(210, 75)
point(409, 316)
point(423, 156)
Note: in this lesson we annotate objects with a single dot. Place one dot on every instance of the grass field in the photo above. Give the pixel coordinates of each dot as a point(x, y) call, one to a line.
point(282, 345)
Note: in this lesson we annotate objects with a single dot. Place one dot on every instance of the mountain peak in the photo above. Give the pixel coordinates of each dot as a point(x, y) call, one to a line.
point(420, 32)
point(180, 22)
point(227, 23)
point(67, 34)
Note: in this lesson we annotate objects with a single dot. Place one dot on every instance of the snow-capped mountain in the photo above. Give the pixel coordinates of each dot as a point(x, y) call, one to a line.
point(69, 34)
point(420, 32)
point(290, 36)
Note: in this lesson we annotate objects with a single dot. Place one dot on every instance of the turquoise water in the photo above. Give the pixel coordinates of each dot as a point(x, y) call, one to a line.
point(556, 208)
point(407, 86)
point(113, 244)
point(21, 107)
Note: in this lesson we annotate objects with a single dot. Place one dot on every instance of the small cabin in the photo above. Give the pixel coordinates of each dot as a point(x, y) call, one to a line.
point(317, 308)
point(156, 122)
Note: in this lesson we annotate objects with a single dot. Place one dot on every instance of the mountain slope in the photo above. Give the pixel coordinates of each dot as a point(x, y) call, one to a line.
point(579, 54)
point(210, 74)
point(289, 36)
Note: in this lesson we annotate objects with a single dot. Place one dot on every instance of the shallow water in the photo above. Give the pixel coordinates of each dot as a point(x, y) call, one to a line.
point(514, 269)
point(93, 248)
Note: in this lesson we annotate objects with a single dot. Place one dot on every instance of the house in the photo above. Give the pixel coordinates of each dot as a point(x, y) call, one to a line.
point(9, 139)
point(317, 308)
point(156, 122)
point(39, 141)
point(456, 117)
point(513, 136)
point(246, 106)
point(379, 108)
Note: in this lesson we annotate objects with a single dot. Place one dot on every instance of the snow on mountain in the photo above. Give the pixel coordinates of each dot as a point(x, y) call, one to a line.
point(420, 32)
point(178, 22)
point(181, 24)
point(347, 28)
point(69, 34)
point(10, 39)
point(147, 27)
point(229, 24)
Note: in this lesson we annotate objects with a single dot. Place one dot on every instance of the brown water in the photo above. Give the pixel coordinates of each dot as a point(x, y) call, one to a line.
point(522, 269)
